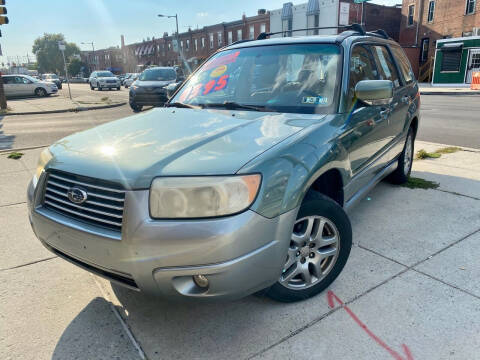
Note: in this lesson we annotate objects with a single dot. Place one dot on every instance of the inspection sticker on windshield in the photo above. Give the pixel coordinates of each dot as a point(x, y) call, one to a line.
point(315, 100)
point(219, 71)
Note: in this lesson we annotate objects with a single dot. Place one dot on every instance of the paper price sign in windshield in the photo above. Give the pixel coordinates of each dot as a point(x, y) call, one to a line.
point(204, 89)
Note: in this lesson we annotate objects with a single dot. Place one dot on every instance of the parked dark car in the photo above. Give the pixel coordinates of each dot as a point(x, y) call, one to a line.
point(53, 78)
point(150, 87)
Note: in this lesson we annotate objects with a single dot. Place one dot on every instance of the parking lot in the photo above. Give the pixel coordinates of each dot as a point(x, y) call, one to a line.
point(410, 289)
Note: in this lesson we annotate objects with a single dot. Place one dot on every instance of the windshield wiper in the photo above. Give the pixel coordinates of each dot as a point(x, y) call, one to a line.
point(181, 105)
point(231, 105)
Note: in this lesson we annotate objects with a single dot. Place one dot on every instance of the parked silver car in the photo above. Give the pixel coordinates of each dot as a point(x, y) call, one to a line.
point(25, 85)
point(103, 80)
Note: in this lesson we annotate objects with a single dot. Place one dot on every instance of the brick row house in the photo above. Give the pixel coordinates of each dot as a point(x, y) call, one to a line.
point(424, 22)
point(195, 45)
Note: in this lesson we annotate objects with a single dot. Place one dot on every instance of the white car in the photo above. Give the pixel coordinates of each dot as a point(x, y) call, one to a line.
point(129, 81)
point(103, 80)
point(21, 85)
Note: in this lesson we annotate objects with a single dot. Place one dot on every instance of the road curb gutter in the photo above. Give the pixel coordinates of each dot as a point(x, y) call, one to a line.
point(76, 109)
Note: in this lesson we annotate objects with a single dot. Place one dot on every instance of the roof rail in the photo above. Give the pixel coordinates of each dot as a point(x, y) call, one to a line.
point(380, 32)
point(355, 27)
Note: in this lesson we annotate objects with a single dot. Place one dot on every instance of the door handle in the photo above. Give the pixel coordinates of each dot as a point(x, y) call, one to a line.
point(384, 113)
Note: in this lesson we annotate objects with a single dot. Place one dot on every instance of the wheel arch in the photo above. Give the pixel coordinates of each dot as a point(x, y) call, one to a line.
point(329, 183)
point(414, 125)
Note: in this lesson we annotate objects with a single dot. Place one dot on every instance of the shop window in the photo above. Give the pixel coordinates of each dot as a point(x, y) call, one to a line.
point(451, 60)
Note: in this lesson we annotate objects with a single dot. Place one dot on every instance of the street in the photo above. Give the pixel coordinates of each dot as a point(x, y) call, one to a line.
point(440, 122)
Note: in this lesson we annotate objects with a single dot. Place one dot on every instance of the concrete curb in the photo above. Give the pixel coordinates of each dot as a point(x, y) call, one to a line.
point(77, 109)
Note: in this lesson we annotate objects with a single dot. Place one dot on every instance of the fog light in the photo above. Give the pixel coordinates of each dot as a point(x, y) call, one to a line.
point(200, 280)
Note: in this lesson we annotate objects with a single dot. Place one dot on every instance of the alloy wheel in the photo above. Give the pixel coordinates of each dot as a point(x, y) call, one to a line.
point(313, 251)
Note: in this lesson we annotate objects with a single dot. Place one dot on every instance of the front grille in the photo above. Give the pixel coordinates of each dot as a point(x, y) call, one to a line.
point(111, 81)
point(104, 204)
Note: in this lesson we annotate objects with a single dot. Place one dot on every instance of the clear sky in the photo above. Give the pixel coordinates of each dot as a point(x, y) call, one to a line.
point(103, 21)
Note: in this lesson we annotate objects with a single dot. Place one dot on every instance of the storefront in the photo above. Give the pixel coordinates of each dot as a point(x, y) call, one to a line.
point(456, 59)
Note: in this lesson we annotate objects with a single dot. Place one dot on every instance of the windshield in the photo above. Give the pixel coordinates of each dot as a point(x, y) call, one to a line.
point(158, 75)
point(105, 74)
point(31, 78)
point(286, 78)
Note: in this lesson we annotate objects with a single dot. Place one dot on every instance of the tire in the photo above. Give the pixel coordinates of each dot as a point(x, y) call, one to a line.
point(41, 92)
point(92, 87)
point(136, 108)
point(118, 88)
point(404, 168)
point(316, 212)
point(59, 87)
point(99, 88)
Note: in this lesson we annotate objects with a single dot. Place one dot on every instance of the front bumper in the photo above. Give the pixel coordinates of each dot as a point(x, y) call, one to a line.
point(157, 97)
point(109, 85)
point(239, 254)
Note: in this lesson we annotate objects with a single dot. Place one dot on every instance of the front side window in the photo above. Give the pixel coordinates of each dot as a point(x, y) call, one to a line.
point(385, 65)
point(286, 78)
point(403, 64)
point(431, 10)
point(470, 7)
point(362, 67)
point(411, 13)
point(158, 75)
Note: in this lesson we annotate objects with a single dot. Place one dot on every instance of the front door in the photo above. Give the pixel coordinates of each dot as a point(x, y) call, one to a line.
point(473, 64)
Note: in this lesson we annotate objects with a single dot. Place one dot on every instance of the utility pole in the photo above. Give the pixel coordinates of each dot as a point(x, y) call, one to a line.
point(61, 46)
point(178, 42)
point(3, 20)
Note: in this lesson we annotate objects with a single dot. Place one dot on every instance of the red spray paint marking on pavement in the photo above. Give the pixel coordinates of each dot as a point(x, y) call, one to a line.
point(331, 297)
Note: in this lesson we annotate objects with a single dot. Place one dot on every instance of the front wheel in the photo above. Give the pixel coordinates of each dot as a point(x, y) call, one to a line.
point(118, 88)
point(91, 87)
point(319, 248)
point(41, 92)
point(135, 107)
point(404, 166)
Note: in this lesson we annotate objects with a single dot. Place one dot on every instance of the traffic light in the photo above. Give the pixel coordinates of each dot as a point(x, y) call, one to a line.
point(3, 11)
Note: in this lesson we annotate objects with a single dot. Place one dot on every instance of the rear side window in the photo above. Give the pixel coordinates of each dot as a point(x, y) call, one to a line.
point(385, 64)
point(403, 64)
point(7, 79)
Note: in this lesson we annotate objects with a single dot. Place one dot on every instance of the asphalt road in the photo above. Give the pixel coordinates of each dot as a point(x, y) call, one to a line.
point(452, 120)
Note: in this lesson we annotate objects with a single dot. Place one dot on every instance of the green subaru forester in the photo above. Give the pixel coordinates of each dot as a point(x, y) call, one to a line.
point(242, 182)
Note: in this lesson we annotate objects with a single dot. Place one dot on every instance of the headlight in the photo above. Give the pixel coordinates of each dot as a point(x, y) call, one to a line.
point(45, 157)
point(202, 196)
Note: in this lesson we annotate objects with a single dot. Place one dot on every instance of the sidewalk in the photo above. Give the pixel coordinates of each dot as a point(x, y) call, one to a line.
point(82, 99)
point(428, 89)
point(410, 287)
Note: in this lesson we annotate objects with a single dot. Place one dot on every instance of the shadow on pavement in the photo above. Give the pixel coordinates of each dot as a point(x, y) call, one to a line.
point(94, 333)
point(6, 141)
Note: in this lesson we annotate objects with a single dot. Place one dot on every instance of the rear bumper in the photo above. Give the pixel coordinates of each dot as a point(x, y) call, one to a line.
point(239, 254)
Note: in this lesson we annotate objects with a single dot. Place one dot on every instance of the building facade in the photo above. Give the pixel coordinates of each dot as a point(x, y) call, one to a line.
point(333, 13)
point(424, 22)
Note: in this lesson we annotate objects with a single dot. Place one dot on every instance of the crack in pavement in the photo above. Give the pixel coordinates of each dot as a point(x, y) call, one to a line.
point(29, 263)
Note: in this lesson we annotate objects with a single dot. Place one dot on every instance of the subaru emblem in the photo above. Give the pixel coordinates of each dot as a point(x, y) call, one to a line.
point(77, 195)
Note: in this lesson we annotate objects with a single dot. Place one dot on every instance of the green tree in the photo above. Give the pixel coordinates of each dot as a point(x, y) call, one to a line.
point(75, 66)
point(49, 57)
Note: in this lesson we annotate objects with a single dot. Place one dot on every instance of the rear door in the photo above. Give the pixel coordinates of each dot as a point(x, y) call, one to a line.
point(9, 85)
point(401, 95)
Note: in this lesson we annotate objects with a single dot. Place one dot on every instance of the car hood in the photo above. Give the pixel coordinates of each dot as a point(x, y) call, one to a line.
point(173, 141)
point(153, 83)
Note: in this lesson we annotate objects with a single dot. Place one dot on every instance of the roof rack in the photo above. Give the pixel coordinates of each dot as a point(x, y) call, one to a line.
point(380, 32)
point(357, 28)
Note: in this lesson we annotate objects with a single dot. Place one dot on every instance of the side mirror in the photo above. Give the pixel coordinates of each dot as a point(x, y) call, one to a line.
point(374, 92)
point(171, 88)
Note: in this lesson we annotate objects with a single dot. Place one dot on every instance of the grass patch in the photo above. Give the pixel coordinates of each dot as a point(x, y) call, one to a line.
point(15, 155)
point(418, 183)
point(105, 98)
point(423, 154)
point(448, 150)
